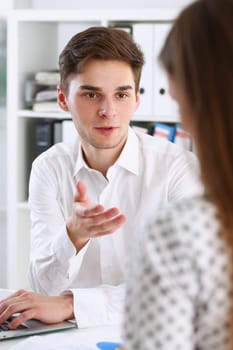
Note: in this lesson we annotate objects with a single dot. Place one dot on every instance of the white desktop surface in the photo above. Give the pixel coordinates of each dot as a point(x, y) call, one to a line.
point(71, 339)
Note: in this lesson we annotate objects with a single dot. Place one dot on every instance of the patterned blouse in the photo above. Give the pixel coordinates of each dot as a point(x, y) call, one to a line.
point(180, 283)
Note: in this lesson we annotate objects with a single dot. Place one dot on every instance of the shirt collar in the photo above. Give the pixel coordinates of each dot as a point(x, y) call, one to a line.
point(80, 162)
point(128, 158)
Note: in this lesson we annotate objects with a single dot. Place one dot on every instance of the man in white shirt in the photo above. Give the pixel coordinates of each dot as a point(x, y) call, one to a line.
point(90, 198)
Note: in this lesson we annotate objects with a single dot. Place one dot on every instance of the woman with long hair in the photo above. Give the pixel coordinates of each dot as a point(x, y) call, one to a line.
point(180, 284)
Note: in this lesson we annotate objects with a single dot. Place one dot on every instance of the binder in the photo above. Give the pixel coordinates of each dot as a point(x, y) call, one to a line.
point(143, 36)
point(43, 136)
point(57, 131)
point(69, 132)
point(165, 108)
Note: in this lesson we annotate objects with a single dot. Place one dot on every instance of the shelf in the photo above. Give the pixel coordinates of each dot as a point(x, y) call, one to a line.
point(158, 118)
point(26, 113)
point(99, 15)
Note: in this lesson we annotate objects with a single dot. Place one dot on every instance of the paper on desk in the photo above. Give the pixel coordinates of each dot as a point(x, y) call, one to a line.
point(80, 339)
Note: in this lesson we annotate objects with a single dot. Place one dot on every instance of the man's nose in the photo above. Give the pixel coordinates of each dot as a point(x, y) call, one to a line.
point(107, 108)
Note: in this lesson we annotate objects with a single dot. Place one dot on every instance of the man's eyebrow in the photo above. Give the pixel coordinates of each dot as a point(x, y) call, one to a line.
point(97, 88)
point(90, 87)
point(124, 87)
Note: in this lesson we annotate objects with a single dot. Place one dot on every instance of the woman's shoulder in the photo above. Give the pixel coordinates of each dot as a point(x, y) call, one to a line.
point(188, 222)
point(195, 211)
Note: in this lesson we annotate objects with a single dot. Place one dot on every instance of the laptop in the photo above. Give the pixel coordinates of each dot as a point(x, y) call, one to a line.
point(31, 327)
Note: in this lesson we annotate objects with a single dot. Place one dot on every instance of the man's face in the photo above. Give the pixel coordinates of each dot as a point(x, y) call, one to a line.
point(101, 100)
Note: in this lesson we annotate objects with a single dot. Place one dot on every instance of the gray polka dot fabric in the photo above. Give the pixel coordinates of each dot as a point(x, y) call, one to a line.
point(179, 294)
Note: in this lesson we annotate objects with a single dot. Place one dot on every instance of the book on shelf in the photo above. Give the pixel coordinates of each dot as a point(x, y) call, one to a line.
point(46, 106)
point(174, 133)
point(40, 91)
point(164, 130)
point(48, 77)
point(46, 95)
point(31, 89)
point(183, 138)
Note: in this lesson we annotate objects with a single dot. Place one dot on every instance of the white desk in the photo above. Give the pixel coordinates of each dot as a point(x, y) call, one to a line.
point(72, 339)
point(7, 344)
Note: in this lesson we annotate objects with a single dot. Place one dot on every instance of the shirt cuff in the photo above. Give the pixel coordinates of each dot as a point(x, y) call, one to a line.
point(102, 305)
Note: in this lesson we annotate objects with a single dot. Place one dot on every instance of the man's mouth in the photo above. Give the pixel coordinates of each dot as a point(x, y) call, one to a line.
point(106, 129)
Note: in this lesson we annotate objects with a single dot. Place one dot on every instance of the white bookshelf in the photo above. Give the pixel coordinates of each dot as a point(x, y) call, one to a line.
point(35, 38)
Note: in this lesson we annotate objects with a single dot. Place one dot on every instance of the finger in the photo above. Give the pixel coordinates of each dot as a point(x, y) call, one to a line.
point(101, 217)
point(90, 212)
point(108, 226)
point(8, 311)
point(23, 317)
point(10, 302)
point(21, 301)
point(15, 294)
point(96, 215)
point(81, 194)
point(82, 213)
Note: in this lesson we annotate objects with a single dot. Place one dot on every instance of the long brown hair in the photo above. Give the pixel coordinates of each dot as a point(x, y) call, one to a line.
point(198, 54)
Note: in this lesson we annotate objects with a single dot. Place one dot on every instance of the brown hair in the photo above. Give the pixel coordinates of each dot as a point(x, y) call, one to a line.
point(100, 43)
point(198, 55)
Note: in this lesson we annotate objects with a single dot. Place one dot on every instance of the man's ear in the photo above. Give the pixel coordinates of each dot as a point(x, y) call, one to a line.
point(61, 99)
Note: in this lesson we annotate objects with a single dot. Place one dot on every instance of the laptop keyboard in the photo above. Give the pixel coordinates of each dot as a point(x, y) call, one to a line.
point(4, 325)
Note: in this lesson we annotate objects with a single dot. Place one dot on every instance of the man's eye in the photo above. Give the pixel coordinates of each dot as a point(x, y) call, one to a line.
point(91, 95)
point(122, 95)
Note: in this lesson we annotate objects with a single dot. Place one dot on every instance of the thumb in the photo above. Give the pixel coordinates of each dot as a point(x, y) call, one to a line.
point(81, 194)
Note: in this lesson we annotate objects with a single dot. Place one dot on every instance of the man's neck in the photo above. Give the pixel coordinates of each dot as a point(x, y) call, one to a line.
point(101, 159)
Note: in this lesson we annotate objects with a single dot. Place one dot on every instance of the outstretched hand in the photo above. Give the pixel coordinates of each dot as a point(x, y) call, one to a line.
point(89, 221)
point(30, 305)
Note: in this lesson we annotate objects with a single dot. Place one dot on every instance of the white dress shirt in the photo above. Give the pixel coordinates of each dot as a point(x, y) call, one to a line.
point(180, 282)
point(149, 173)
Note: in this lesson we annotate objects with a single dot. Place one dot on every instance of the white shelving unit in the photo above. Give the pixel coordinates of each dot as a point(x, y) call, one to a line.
point(35, 37)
